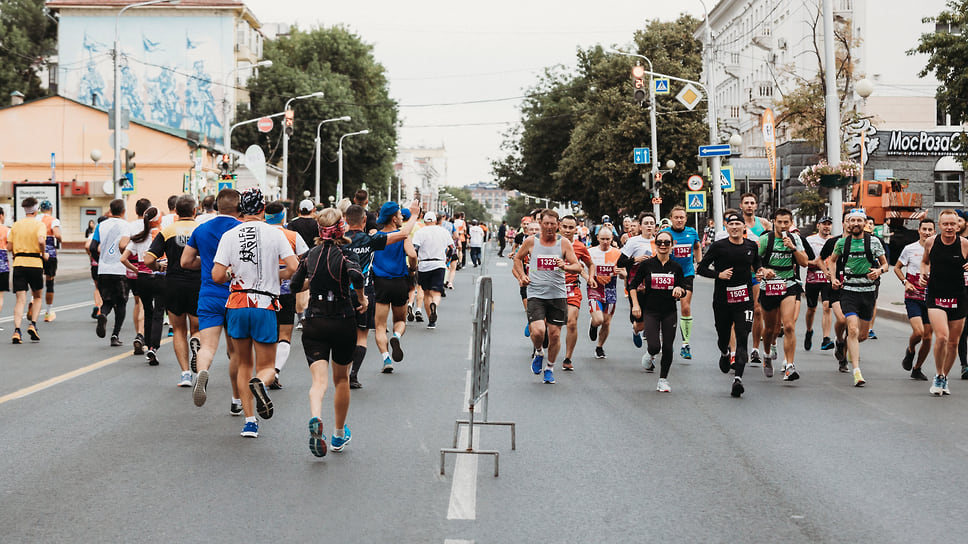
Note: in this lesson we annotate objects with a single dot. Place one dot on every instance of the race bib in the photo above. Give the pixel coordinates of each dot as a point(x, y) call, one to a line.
point(547, 264)
point(946, 303)
point(682, 251)
point(966, 278)
point(604, 269)
point(774, 288)
point(738, 293)
point(918, 293)
point(816, 276)
point(573, 290)
point(663, 281)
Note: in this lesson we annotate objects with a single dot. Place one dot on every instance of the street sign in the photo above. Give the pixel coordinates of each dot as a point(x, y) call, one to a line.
point(694, 183)
point(689, 96)
point(661, 85)
point(726, 179)
point(641, 155)
point(226, 184)
point(695, 201)
point(186, 183)
point(714, 150)
point(124, 140)
point(265, 124)
point(198, 162)
point(127, 186)
point(125, 119)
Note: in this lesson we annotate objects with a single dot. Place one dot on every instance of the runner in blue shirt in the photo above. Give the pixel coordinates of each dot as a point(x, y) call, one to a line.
point(686, 251)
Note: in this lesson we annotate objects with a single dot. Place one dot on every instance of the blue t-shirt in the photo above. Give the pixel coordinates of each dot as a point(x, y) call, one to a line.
point(205, 239)
point(391, 262)
point(684, 243)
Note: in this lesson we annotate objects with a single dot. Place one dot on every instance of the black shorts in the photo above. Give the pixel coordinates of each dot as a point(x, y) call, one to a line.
point(113, 288)
point(432, 280)
point(392, 291)
point(815, 291)
point(959, 302)
point(132, 285)
point(94, 273)
point(27, 278)
point(687, 282)
point(834, 296)
point(366, 321)
point(50, 267)
point(859, 304)
point(330, 340)
point(770, 303)
point(554, 310)
point(181, 296)
point(287, 310)
point(4, 281)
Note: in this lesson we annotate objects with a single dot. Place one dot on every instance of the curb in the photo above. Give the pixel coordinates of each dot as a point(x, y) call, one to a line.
point(892, 312)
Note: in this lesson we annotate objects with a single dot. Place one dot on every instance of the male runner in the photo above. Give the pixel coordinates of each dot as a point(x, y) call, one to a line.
point(53, 240)
point(818, 287)
point(687, 251)
point(276, 215)
point(27, 241)
point(755, 227)
point(908, 270)
point(109, 240)
point(391, 273)
point(432, 244)
point(4, 262)
point(208, 210)
point(603, 271)
point(568, 228)
point(308, 229)
point(135, 226)
point(475, 241)
point(502, 233)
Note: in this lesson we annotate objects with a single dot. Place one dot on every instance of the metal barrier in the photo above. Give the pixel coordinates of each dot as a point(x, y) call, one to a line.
point(480, 378)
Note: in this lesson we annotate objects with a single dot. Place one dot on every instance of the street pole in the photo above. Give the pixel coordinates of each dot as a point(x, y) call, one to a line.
point(713, 128)
point(339, 152)
point(285, 144)
point(227, 106)
point(319, 152)
point(833, 116)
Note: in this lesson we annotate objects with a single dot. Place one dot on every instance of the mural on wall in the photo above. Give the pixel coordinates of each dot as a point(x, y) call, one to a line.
point(172, 68)
point(861, 133)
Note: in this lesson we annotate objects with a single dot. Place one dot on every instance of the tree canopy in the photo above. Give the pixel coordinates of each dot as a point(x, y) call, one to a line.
point(27, 37)
point(472, 208)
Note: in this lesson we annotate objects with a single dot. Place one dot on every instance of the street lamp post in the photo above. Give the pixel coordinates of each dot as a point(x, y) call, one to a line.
point(711, 116)
point(339, 185)
point(116, 172)
point(832, 117)
point(318, 153)
point(227, 107)
point(285, 144)
point(655, 146)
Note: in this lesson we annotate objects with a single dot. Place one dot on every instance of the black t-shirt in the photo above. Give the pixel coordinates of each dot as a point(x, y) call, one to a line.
point(363, 245)
point(723, 254)
point(170, 243)
point(330, 296)
point(371, 222)
point(306, 227)
point(655, 300)
point(519, 238)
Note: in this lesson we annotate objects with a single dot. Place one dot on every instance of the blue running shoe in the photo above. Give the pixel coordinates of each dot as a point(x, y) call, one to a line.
point(549, 376)
point(527, 330)
point(317, 440)
point(251, 429)
point(685, 353)
point(637, 339)
point(387, 366)
point(537, 364)
point(338, 443)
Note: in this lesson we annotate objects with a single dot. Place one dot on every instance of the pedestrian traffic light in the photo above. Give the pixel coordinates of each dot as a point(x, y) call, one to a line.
point(638, 83)
point(129, 160)
point(290, 118)
point(225, 163)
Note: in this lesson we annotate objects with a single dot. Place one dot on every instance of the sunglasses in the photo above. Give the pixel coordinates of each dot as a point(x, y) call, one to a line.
point(663, 242)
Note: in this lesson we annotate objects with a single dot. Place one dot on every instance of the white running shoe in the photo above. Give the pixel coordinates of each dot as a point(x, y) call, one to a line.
point(186, 379)
point(662, 386)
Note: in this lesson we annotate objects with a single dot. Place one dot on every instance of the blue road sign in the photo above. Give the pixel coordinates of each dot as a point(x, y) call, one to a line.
point(128, 183)
point(695, 201)
point(226, 184)
point(641, 155)
point(661, 85)
point(714, 150)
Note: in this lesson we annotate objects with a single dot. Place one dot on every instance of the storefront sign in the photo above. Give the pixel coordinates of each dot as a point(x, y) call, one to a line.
point(923, 144)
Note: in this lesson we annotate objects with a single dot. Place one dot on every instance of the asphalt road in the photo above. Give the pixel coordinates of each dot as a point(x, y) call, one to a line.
point(119, 454)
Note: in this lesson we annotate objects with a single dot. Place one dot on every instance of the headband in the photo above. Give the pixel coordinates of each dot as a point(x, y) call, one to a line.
point(276, 218)
point(30, 210)
point(332, 232)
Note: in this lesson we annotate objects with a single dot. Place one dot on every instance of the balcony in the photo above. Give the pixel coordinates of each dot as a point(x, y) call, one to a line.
point(764, 39)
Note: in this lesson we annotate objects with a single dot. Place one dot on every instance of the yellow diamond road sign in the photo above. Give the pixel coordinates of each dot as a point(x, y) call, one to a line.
point(689, 96)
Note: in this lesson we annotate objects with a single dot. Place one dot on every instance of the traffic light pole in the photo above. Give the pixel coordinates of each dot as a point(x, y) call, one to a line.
point(713, 122)
point(656, 198)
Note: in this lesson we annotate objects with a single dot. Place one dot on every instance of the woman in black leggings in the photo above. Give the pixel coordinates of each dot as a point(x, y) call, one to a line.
point(329, 325)
point(662, 282)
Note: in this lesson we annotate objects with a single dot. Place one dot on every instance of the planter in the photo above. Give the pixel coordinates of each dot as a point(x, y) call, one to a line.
point(833, 180)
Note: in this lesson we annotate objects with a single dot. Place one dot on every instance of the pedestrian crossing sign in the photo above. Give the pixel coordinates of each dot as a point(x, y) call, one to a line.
point(695, 201)
point(226, 184)
point(726, 179)
point(661, 85)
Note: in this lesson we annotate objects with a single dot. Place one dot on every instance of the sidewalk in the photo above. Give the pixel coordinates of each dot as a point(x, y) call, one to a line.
point(890, 300)
point(73, 264)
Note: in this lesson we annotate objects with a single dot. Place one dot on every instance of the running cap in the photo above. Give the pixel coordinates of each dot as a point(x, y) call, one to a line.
point(46, 205)
point(606, 219)
point(665, 222)
point(858, 212)
point(406, 214)
point(430, 217)
point(825, 219)
point(734, 218)
point(387, 210)
point(306, 206)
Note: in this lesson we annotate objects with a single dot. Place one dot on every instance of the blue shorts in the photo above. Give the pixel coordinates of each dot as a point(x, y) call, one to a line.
point(916, 308)
point(211, 311)
point(258, 324)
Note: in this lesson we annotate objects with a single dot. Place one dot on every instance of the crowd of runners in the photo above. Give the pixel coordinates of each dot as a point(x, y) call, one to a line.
point(235, 263)
point(762, 270)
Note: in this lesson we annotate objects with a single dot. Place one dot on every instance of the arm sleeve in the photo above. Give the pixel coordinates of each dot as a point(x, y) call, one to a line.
point(378, 241)
point(705, 265)
point(299, 278)
point(624, 261)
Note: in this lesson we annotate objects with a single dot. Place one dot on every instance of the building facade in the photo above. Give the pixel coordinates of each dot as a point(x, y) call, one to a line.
point(492, 197)
point(422, 173)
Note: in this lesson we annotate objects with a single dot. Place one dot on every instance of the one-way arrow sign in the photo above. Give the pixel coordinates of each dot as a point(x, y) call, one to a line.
point(714, 150)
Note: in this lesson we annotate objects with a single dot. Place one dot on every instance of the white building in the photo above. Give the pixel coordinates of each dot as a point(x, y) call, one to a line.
point(422, 172)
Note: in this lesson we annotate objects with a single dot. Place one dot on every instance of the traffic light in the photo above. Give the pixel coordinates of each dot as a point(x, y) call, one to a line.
point(290, 118)
point(129, 160)
point(225, 163)
point(638, 83)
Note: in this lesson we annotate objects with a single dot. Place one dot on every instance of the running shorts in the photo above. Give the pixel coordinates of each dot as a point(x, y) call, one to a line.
point(687, 283)
point(432, 280)
point(554, 311)
point(50, 267)
point(94, 273)
point(601, 306)
point(259, 324)
point(769, 303)
point(860, 304)
point(211, 311)
point(574, 294)
point(113, 289)
point(916, 308)
point(392, 291)
point(27, 278)
point(366, 321)
point(4, 281)
point(953, 306)
point(815, 292)
point(330, 340)
point(287, 310)
point(181, 297)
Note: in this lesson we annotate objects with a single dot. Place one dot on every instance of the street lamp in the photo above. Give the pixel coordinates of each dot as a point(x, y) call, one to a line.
point(864, 89)
point(711, 116)
point(227, 107)
point(339, 186)
point(116, 172)
point(321, 123)
point(285, 143)
point(832, 117)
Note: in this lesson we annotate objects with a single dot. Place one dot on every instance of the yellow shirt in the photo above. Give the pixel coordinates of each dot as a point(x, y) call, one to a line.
point(28, 236)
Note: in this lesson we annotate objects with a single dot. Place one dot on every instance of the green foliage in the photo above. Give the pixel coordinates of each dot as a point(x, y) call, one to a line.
point(518, 207)
point(471, 208)
point(810, 203)
point(337, 62)
point(26, 37)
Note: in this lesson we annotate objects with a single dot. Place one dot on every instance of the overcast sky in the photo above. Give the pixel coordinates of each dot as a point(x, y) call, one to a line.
point(442, 52)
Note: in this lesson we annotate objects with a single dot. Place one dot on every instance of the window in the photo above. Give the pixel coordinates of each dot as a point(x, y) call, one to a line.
point(946, 119)
point(949, 28)
point(947, 187)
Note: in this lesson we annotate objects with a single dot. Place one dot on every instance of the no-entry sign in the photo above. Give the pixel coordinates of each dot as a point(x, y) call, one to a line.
point(265, 124)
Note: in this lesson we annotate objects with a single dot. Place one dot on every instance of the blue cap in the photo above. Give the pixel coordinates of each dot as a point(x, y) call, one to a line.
point(406, 214)
point(46, 205)
point(387, 210)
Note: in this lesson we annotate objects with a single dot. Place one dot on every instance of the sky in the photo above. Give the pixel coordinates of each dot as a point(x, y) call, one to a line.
point(440, 52)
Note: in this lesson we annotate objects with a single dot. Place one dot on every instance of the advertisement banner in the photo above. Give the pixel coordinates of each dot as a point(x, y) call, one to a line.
point(769, 141)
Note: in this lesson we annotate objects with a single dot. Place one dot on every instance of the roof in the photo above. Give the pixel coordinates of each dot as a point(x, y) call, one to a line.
point(122, 3)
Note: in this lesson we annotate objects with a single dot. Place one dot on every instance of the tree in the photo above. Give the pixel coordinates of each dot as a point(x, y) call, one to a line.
point(810, 203)
point(27, 37)
point(518, 207)
point(471, 207)
point(338, 63)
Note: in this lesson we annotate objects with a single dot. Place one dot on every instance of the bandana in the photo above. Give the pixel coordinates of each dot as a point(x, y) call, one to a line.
point(734, 218)
point(859, 212)
point(251, 201)
point(46, 205)
point(332, 232)
point(276, 218)
point(30, 210)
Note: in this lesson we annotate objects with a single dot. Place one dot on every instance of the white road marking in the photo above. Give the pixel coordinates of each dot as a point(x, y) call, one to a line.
point(455, 541)
point(500, 263)
point(463, 489)
point(467, 393)
point(56, 309)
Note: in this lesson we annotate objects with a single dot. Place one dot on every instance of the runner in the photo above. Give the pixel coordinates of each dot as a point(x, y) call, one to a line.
point(285, 317)
point(818, 287)
point(432, 244)
point(308, 229)
point(151, 283)
point(686, 251)
point(137, 314)
point(475, 241)
point(755, 227)
point(248, 258)
point(568, 228)
point(733, 261)
point(4, 261)
point(637, 249)
point(27, 240)
point(199, 254)
point(53, 240)
point(862, 263)
point(390, 281)
point(207, 208)
point(631, 231)
point(943, 272)
point(93, 259)
point(602, 288)
point(547, 294)
point(908, 270)
point(781, 253)
point(530, 230)
point(839, 321)
point(109, 239)
point(330, 275)
point(663, 284)
point(181, 286)
point(461, 229)
point(502, 242)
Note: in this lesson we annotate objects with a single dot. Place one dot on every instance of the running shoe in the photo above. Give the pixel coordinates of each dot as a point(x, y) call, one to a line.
point(250, 429)
point(395, 348)
point(684, 352)
point(115, 341)
point(263, 405)
point(593, 332)
point(737, 389)
point(827, 344)
point(340, 442)
point(755, 358)
point(433, 312)
point(299, 325)
point(527, 330)
point(194, 345)
point(139, 344)
point(944, 386)
point(662, 386)
point(186, 379)
point(450, 285)
point(916, 374)
point(908, 361)
point(199, 394)
point(567, 366)
point(15, 339)
point(171, 332)
point(871, 335)
point(773, 353)
point(418, 316)
point(842, 366)
point(858, 378)
point(355, 383)
point(236, 409)
point(102, 324)
point(151, 357)
point(937, 388)
point(790, 373)
point(964, 373)
point(317, 440)
point(637, 339)
point(49, 316)
point(724, 365)
point(409, 312)
point(768, 367)
point(32, 331)
point(432, 325)
point(94, 312)
point(648, 362)
point(549, 376)
point(808, 340)
point(599, 352)
point(537, 364)
point(387, 366)
point(276, 384)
